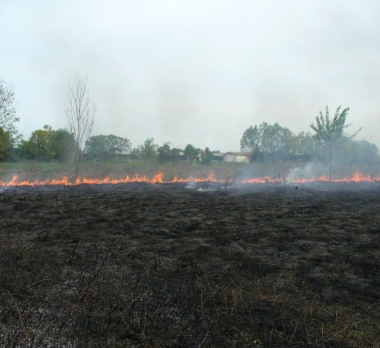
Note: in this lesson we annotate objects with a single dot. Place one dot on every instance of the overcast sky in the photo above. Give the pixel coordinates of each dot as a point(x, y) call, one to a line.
point(198, 72)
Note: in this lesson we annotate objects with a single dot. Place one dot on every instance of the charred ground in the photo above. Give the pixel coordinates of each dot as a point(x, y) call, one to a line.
point(167, 266)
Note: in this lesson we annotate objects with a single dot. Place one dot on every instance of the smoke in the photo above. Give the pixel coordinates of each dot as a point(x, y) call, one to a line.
point(191, 185)
point(208, 186)
point(308, 171)
point(194, 72)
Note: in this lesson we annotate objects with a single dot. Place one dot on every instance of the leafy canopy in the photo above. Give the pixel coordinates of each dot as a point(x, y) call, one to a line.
point(148, 150)
point(8, 116)
point(6, 145)
point(166, 153)
point(191, 152)
point(47, 144)
point(103, 147)
point(268, 138)
point(331, 132)
point(251, 139)
point(207, 156)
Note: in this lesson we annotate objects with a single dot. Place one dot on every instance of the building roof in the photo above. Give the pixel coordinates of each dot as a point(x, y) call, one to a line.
point(238, 153)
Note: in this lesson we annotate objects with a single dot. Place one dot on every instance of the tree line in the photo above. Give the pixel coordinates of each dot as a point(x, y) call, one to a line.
point(268, 142)
point(75, 142)
point(264, 142)
point(59, 145)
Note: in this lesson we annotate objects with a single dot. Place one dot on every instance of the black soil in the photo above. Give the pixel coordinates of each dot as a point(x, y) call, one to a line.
point(141, 265)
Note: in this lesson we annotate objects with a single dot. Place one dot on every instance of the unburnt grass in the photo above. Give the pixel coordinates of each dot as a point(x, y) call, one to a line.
point(141, 265)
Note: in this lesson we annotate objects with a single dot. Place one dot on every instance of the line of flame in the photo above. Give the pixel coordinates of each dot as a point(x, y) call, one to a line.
point(159, 179)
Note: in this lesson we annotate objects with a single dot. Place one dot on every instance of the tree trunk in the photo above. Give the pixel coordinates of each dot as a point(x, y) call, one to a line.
point(76, 163)
point(330, 158)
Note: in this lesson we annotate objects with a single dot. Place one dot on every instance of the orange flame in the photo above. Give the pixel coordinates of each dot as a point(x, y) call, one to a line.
point(355, 178)
point(210, 178)
point(261, 180)
point(159, 179)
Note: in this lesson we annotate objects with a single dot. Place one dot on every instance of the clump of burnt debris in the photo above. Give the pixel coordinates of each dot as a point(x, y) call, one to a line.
point(143, 265)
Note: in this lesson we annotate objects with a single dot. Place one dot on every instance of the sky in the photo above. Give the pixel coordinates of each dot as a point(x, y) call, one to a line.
point(194, 72)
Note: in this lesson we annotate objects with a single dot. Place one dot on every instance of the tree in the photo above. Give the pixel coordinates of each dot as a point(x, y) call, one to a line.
point(176, 154)
point(251, 140)
point(96, 147)
point(135, 153)
point(80, 115)
point(8, 116)
point(39, 145)
point(6, 145)
point(103, 147)
point(276, 139)
point(330, 133)
point(207, 156)
point(165, 153)
point(358, 153)
point(191, 152)
point(62, 145)
point(267, 139)
point(115, 144)
point(47, 144)
point(148, 150)
point(304, 145)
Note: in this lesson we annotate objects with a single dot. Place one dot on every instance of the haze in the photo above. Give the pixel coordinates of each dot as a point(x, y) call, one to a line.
point(198, 72)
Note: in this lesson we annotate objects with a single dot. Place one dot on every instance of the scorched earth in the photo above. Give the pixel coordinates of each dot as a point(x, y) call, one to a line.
point(173, 265)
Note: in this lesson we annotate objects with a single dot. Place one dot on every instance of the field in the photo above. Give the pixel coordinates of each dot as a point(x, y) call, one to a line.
point(32, 170)
point(205, 265)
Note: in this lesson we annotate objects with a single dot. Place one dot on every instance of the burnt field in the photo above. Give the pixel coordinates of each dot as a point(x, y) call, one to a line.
point(140, 265)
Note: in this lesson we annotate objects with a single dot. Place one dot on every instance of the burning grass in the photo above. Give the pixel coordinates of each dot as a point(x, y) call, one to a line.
point(28, 174)
point(164, 266)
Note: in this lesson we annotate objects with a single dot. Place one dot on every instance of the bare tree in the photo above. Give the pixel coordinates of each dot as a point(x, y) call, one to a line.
point(80, 114)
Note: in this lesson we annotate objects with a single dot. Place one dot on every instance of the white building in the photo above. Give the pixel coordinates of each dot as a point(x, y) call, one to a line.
point(237, 157)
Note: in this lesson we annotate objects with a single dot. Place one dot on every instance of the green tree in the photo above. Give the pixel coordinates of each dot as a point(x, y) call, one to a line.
point(276, 139)
point(251, 140)
point(359, 153)
point(331, 133)
point(47, 144)
point(176, 154)
point(104, 147)
point(191, 152)
point(135, 153)
point(148, 150)
point(165, 153)
point(62, 145)
point(95, 147)
point(268, 139)
point(207, 156)
point(39, 144)
point(8, 116)
point(6, 145)
point(304, 144)
point(117, 145)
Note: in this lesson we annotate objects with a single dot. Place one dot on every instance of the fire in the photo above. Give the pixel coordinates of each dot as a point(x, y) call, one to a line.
point(15, 182)
point(179, 180)
point(159, 179)
point(261, 180)
point(355, 178)
point(210, 178)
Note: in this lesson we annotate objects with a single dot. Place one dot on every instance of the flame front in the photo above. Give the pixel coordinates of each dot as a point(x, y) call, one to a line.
point(159, 179)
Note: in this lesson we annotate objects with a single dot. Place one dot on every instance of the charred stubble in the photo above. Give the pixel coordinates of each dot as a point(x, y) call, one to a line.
point(165, 266)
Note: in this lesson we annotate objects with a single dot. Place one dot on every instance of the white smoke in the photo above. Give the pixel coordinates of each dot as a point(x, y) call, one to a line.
point(191, 184)
point(309, 171)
